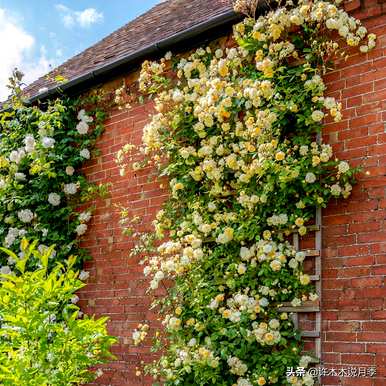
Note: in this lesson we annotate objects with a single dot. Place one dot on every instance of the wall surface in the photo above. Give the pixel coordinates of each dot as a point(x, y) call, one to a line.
point(354, 236)
point(354, 233)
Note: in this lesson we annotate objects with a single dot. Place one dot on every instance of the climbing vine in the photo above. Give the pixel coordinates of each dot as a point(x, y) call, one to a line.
point(42, 149)
point(236, 134)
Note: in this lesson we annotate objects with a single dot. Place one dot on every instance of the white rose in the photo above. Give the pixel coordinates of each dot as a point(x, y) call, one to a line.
point(212, 206)
point(293, 264)
point(275, 265)
point(85, 153)
point(343, 31)
point(343, 167)
point(48, 142)
point(310, 178)
point(70, 170)
point(267, 248)
point(81, 229)
point(85, 217)
point(54, 199)
point(192, 342)
point(241, 269)
point(296, 302)
point(245, 253)
point(303, 150)
point(219, 53)
point(70, 188)
point(29, 142)
point(147, 270)
point(16, 155)
point(329, 102)
point(274, 324)
point(300, 256)
point(84, 275)
point(5, 270)
point(317, 115)
point(82, 127)
point(364, 49)
point(331, 24)
point(25, 215)
point(82, 116)
point(159, 275)
point(336, 190)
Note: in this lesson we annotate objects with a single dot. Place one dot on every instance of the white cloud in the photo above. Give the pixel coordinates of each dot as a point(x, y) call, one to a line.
point(16, 46)
point(62, 8)
point(89, 16)
point(84, 19)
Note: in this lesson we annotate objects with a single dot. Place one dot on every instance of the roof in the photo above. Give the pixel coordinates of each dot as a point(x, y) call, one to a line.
point(159, 25)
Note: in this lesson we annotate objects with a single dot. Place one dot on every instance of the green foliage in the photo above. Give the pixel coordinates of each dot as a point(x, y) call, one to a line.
point(42, 149)
point(44, 339)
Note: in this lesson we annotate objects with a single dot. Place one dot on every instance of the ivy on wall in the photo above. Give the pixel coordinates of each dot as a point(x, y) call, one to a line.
point(236, 134)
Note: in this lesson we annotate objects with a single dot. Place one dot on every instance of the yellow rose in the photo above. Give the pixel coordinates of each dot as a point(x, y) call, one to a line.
point(204, 353)
point(304, 279)
point(259, 55)
point(256, 35)
point(302, 230)
point(275, 265)
point(261, 381)
point(225, 114)
point(190, 322)
point(223, 70)
point(280, 155)
point(268, 337)
point(219, 298)
point(266, 234)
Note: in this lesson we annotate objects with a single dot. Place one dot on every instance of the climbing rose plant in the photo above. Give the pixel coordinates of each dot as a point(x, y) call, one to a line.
point(42, 149)
point(237, 134)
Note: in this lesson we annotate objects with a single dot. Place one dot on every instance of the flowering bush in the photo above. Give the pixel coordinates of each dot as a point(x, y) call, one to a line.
point(236, 133)
point(44, 339)
point(41, 151)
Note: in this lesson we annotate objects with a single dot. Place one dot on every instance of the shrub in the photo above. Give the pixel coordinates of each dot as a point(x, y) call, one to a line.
point(45, 340)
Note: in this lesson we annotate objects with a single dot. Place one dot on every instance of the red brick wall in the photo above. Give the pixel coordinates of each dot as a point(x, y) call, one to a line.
point(354, 234)
point(116, 287)
point(354, 237)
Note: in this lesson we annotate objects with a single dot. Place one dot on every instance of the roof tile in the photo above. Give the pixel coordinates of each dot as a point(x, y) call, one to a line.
point(162, 21)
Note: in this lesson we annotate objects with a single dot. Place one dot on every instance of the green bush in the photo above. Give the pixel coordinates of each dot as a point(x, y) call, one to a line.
point(44, 339)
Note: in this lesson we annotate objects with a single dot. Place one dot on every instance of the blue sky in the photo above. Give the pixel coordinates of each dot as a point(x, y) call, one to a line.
point(36, 35)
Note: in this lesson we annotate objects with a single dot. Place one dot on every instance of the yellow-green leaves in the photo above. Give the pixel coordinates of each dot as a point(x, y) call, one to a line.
point(44, 340)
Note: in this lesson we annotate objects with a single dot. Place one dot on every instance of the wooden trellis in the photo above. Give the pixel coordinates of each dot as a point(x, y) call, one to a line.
point(309, 307)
